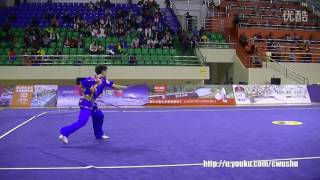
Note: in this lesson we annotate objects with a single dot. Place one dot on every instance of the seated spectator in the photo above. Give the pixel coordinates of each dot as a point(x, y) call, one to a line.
point(111, 50)
point(94, 32)
point(91, 6)
point(93, 48)
point(118, 49)
point(255, 59)
point(41, 52)
point(135, 43)
point(45, 40)
point(148, 32)
point(204, 38)
point(12, 55)
point(53, 35)
point(101, 33)
point(67, 43)
point(123, 43)
point(100, 48)
point(80, 42)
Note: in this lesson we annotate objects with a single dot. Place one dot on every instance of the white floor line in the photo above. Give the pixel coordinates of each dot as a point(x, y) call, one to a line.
point(141, 166)
point(209, 110)
point(25, 122)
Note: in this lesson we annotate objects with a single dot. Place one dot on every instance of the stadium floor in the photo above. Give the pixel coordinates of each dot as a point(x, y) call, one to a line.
point(160, 143)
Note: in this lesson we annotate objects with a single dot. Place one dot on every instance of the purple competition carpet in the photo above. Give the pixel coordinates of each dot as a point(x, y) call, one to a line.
point(160, 144)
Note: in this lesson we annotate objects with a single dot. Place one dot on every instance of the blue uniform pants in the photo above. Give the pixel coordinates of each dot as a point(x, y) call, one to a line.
point(87, 109)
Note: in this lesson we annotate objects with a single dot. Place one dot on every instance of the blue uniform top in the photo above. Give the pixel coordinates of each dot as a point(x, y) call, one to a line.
point(99, 83)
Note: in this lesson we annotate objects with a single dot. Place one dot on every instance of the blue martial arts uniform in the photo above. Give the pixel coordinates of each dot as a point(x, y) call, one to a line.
point(88, 107)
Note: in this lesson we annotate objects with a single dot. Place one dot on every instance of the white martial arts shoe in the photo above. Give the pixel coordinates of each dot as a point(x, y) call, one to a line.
point(105, 137)
point(64, 139)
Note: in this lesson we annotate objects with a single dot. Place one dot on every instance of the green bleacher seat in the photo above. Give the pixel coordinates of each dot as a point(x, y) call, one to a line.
point(66, 51)
point(81, 51)
point(166, 51)
point(145, 51)
point(159, 51)
point(152, 51)
point(73, 51)
point(173, 52)
point(138, 51)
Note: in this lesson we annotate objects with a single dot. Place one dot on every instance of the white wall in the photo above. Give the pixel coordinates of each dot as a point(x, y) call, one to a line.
point(263, 75)
point(240, 72)
point(218, 55)
point(115, 72)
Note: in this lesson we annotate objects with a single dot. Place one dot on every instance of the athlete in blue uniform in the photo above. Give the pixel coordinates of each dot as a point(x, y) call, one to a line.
point(92, 87)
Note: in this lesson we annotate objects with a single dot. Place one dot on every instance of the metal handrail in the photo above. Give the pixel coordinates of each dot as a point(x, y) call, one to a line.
point(265, 16)
point(104, 59)
point(297, 76)
point(285, 41)
point(277, 26)
point(201, 57)
point(213, 45)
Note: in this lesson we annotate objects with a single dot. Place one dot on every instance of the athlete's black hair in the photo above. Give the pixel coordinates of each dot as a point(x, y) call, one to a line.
point(100, 68)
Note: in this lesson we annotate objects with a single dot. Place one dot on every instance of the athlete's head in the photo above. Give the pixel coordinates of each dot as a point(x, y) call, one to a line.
point(101, 70)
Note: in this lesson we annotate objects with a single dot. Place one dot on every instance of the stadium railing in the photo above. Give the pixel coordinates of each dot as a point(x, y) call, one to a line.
point(125, 60)
point(212, 45)
point(277, 26)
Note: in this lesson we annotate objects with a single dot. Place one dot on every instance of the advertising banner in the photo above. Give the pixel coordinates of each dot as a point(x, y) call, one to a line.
point(44, 96)
point(6, 93)
point(132, 96)
point(192, 95)
point(68, 96)
point(271, 94)
point(22, 96)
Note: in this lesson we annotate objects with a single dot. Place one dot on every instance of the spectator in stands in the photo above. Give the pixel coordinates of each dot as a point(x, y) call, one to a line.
point(46, 40)
point(101, 33)
point(12, 55)
point(255, 59)
point(111, 49)
point(80, 42)
point(100, 48)
point(53, 35)
point(123, 43)
point(91, 6)
point(93, 48)
point(135, 43)
point(41, 52)
point(67, 43)
point(189, 21)
point(118, 49)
